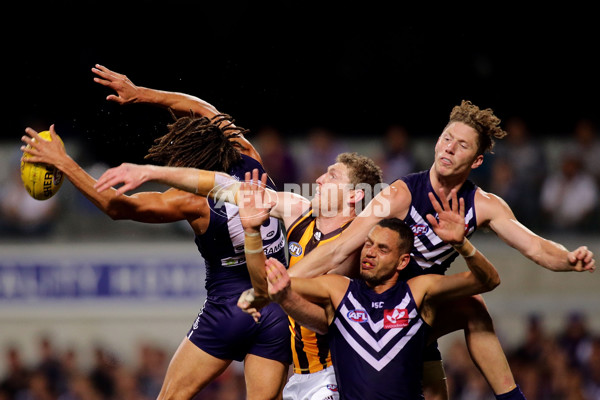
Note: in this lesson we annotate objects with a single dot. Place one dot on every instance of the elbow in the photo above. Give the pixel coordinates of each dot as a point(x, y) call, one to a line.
point(492, 283)
point(114, 213)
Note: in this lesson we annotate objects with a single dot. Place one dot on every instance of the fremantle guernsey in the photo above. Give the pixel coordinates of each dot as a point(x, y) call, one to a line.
point(430, 255)
point(377, 342)
point(222, 245)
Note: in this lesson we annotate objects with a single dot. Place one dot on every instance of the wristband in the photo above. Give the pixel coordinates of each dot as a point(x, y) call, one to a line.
point(253, 243)
point(252, 251)
point(465, 249)
point(225, 188)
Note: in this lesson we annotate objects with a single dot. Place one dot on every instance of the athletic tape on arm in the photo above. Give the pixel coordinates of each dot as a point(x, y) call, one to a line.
point(225, 188)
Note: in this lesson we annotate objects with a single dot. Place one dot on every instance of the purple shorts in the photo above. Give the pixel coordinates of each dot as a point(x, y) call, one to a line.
point(226, 332)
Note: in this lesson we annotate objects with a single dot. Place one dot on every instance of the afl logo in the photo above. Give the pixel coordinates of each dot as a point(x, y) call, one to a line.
point(295, 249)
point(420, 229)
point(359, 316)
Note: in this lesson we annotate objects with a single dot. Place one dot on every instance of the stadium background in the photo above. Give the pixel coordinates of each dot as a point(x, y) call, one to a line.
point(87, 282)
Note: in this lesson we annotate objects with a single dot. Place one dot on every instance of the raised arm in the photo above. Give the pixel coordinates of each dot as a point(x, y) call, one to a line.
point(180, 103)
point(494, 212)
point(449, 226)
point(310, 301)
point(341, 255)
point(217, 185)
point(150, 207)
point(254, 209)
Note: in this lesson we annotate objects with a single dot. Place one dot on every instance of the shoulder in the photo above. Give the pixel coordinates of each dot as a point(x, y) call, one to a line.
point(489, 206)
point(420, 285)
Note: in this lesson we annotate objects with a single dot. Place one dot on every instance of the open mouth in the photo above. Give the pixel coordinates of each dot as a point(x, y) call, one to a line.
point(367, 265)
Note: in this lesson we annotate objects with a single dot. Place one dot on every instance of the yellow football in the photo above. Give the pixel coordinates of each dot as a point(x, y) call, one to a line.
point(42, 181)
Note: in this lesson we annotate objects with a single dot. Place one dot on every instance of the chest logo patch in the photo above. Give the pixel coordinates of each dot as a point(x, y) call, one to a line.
point(396, 318)
point(359, 316)
point(295, 249)
point(420, 229)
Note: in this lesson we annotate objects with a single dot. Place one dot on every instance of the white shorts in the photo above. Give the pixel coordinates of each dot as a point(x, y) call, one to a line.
point(316, 386)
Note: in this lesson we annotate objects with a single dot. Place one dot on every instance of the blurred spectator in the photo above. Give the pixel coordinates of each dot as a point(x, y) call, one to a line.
point(586, 145)
point(151, 369)
point(592, 371)
point(529, 163)
point(21, 214)
point(532, 348)
point(50, 365)
point(276, 156)
point(503, 182)
point(17, 375)
point(80, 388)
point(39, 388)
point(570, 196)
point(102, 374)
point(322, 149)
point(576, 340)
point(397, 159)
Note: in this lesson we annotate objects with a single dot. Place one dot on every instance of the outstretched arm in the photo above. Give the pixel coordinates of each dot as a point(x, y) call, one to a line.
point(544, 252)
point(217, 185)
point(341, 255)
point(180, 103)
point(150, 207)
point(312, 301)
point(254, 210)
point(449, 226)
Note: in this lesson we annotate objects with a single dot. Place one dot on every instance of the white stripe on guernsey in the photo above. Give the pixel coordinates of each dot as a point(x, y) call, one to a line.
point(427, 264)
point(377, 345)
point(375, 326)
point(469, 216)
point(389, 356)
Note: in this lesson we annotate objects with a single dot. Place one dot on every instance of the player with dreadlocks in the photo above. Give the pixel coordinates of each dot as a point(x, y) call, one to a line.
point(201, 138)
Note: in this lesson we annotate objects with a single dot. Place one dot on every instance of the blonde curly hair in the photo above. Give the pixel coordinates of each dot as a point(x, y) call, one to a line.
point(484, 122)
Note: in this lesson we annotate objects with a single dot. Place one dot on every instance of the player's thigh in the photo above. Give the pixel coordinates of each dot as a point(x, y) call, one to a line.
point(190, 370)
point(466, 313)
point(265, 378)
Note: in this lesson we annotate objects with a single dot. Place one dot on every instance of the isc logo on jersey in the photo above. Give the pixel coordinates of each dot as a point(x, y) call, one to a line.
point(359, 316)
point(295, 249)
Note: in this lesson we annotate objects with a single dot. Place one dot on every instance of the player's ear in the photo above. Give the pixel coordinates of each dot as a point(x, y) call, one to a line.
point(477, 162)
point(403, 261)
point(356, 196)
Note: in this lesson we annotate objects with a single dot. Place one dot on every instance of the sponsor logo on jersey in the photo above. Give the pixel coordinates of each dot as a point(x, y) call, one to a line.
point(317, 236)
point(332, 387)
point(295, 249)
point(396, 318)
point(420, 229)
point(359, 316)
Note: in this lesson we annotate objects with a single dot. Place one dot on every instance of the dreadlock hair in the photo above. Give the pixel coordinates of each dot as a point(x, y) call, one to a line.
point(483, 121)
point(199, 142)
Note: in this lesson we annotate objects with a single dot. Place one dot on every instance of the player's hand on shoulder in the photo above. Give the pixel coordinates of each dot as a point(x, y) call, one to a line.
point(582, 259)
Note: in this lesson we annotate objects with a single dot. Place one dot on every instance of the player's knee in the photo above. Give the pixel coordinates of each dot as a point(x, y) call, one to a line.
point(476, 314)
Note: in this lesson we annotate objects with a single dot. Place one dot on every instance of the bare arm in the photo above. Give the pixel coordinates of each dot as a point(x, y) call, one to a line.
point(494, 212)
point(340, 255)
point(218, 185)
point(299, 296)
point(431, 289)
point(181, 103)
point(153, 207)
